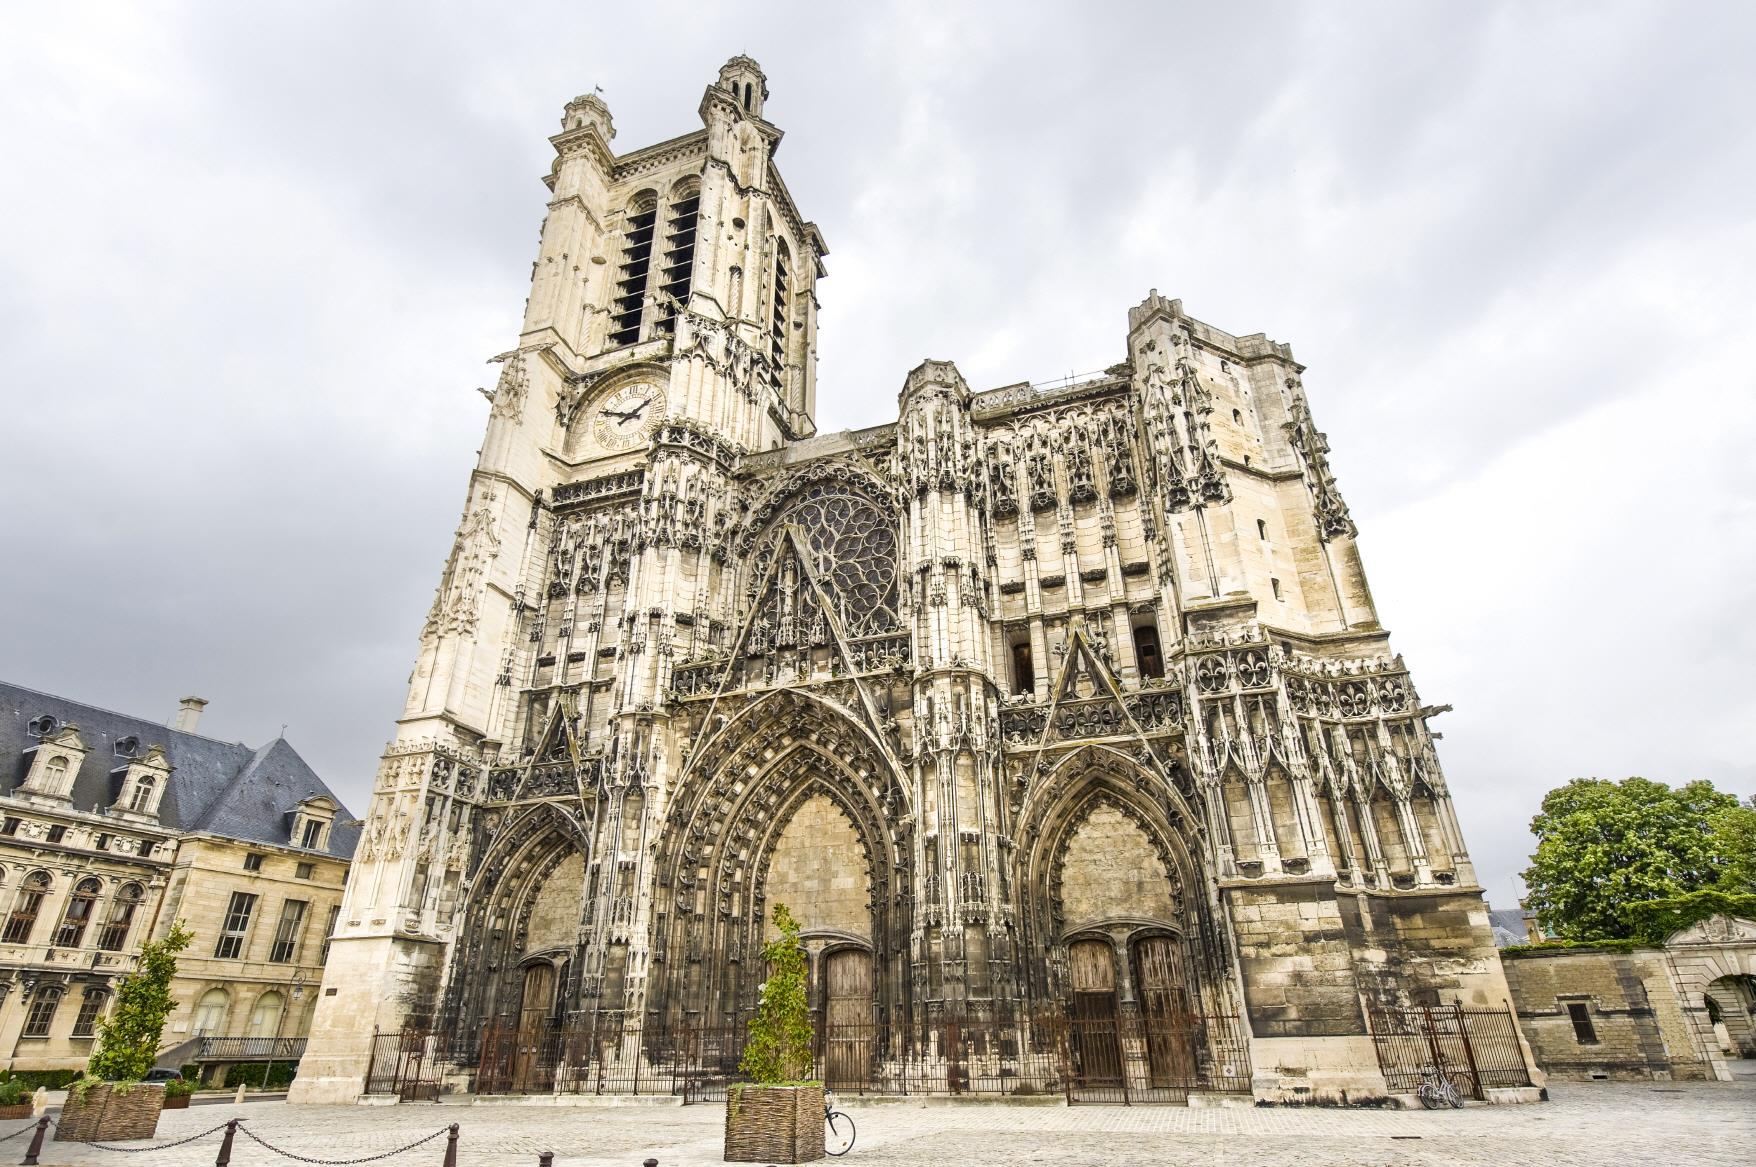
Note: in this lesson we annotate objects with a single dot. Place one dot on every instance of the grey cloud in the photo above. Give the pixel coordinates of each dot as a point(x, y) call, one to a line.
point(259, 255)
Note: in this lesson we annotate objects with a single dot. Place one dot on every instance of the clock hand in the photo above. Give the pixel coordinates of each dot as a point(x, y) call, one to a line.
point(616, 413)
point(636, 411)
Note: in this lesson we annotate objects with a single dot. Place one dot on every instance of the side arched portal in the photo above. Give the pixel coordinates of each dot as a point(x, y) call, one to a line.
point(1120, 927)
point(522, 915)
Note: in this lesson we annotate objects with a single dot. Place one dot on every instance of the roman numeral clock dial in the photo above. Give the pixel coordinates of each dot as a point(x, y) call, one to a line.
point(627, 417)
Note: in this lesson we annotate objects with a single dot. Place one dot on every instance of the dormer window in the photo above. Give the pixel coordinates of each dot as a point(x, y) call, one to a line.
point(55, 763)
point(145, 791)
point(140, 786)
point(308, 823)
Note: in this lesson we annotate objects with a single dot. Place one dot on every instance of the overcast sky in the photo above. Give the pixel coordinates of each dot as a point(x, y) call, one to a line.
point(252, 262)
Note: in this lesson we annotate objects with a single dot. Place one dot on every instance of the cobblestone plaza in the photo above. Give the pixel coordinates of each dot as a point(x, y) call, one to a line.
point(1602, 1124)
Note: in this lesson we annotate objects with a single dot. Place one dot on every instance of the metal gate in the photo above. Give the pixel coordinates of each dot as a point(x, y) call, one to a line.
point(1477, 1048)
point(405, 1064)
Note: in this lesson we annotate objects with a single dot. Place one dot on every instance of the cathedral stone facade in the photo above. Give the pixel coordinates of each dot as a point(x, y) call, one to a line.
point(1040, 701)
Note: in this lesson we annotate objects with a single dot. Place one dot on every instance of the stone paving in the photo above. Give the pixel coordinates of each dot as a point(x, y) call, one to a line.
point(1598, 1124)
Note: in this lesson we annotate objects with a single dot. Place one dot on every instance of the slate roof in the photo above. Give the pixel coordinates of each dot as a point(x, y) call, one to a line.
point(226, 788)
point(1508, 925)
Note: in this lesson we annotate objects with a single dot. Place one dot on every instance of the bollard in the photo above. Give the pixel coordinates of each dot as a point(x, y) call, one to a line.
point(240, 1096)
point(36, 1141)
point(451, 1147)
point(649, 1163)
point(225, 1152)
point(545, 1159)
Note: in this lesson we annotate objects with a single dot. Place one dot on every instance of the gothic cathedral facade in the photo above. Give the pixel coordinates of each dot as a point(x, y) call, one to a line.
point(1040, 700)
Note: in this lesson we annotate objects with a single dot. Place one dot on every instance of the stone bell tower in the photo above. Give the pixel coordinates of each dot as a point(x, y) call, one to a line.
point(670, 330)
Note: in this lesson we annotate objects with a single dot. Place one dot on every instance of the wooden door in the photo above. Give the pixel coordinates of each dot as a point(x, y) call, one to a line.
point(532, 1065)
point(1171, 1027)
point(1095, 1045)
point(847, 1018)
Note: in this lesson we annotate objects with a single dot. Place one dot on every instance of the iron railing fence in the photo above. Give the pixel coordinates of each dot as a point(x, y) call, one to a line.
point(1122, 1059)
point(1478, 1048)
point(250, 1049)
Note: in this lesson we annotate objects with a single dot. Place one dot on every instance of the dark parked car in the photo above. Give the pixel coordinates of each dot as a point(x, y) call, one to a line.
point(161, 1075)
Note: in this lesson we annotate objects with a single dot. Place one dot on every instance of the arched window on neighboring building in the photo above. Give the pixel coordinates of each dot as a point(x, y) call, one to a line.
point(210, 1012)
point(631, 277)
point(141, 800)
point(80, 907)
point(91, 1007)
point(266, 1016)
point(25, 908)
point(114, 935)
point(42, 1012)
point(678, 266)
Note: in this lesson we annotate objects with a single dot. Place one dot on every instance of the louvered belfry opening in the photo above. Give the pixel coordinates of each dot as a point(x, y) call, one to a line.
point(777, 337)
point(679, 254)
point(631, 276)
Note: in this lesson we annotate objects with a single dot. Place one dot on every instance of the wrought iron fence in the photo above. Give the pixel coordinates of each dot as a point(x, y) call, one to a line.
point(1478, 1048)
point(250, 1049)
point(1120, 1059)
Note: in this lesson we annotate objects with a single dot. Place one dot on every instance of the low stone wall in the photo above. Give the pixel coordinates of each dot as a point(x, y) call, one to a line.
point(1596, 1014)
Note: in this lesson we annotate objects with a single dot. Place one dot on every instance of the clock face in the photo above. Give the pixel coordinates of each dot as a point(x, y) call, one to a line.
point(626, 418)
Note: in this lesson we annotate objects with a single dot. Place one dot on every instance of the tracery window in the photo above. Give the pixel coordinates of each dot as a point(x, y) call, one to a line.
point(852, 539)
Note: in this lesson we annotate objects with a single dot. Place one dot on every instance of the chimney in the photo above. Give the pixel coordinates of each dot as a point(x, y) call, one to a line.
point(189, 713)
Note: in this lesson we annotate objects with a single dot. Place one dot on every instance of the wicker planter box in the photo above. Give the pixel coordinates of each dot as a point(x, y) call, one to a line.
point(177, 1101)
point(112, 1115)
point(774, 1124)
point(16, 1110)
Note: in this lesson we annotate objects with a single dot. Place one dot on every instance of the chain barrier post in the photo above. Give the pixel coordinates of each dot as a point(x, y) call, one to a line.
point(649, 1163)
point(545, 1159)
point(451, 1146)
point(36, 1142)
point(224, 1158)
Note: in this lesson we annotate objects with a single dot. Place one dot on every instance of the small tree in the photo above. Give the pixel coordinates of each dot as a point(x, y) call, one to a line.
point(128, 1041)
point(780, 1033)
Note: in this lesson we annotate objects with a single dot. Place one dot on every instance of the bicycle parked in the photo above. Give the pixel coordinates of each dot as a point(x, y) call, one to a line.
point(838, 1133)
point(1439, 1089)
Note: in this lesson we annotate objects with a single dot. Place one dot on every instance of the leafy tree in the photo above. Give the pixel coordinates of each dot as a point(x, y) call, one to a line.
point(780, 1033)
point(1602, 846)
point(128, 1042)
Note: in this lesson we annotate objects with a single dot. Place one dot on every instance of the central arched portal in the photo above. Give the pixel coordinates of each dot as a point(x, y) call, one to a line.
point(792, 803)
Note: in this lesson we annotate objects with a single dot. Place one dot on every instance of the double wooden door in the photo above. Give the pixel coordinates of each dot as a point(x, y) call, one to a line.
point(847, 1018)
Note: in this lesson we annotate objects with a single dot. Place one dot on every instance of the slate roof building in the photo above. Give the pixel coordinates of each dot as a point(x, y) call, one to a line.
point(111, 828)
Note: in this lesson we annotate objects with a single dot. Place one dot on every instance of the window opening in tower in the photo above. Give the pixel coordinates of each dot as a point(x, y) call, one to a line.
point(679, 260)
point(777, 340)
point(631, 276)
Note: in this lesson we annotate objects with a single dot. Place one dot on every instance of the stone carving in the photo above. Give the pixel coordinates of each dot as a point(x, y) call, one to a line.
point(457, 606)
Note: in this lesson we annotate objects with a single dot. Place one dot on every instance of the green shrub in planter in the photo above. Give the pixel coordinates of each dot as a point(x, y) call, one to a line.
point(14, 1091)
